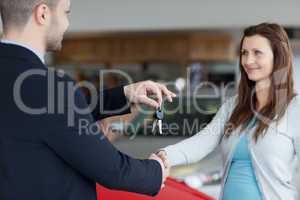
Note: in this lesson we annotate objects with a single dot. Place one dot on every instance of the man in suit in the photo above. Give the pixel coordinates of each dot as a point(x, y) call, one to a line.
point(42, 155)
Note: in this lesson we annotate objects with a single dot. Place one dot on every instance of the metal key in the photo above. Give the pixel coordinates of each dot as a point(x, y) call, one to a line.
point(158, 117)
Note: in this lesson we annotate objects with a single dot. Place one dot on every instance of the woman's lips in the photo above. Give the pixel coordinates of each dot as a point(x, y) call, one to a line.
point(251, 69)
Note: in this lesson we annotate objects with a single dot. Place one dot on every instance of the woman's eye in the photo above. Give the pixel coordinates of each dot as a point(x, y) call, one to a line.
point(257, 52)
point(244, 53)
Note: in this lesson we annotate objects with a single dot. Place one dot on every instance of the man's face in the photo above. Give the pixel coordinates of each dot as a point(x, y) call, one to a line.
point(59, 25)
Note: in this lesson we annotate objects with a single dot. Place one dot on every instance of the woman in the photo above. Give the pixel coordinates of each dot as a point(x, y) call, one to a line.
point(258, 129)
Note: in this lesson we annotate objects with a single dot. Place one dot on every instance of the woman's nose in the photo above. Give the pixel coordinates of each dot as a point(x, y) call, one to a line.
point(249, 59)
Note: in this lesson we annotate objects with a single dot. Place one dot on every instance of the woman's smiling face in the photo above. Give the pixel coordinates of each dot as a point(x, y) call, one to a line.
point(257, 58)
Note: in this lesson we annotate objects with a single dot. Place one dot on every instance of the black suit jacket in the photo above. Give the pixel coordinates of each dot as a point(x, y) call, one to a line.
point(41, 156)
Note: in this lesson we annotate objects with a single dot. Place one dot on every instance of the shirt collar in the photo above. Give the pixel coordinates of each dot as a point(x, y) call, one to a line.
point(38, 54)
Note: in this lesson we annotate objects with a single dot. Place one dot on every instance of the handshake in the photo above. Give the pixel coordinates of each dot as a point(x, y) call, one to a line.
point(161, 157)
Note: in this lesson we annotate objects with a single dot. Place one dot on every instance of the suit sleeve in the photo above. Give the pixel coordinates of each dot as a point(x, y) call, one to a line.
point(111, 102)
point(95, 157)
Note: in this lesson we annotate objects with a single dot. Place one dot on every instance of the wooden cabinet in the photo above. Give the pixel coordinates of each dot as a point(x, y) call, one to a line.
point(211, 47)
point(146, 47)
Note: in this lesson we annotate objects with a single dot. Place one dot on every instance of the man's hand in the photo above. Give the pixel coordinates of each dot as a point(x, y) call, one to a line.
point(163, 156)
point(165, 168)
point(140, 92)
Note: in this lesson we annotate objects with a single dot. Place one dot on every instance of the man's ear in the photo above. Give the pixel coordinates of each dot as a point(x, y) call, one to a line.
point(41, 14)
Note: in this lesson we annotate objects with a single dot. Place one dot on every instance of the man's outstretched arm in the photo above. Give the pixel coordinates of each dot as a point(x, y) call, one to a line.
point(97, 159)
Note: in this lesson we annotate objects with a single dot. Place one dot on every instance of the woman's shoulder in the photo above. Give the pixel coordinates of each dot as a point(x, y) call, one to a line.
point(231, 101)
point(295, 103)
point(291, 118)
point(228, 104)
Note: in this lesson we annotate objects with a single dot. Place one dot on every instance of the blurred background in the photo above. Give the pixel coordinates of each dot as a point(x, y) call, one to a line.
point(181, 43)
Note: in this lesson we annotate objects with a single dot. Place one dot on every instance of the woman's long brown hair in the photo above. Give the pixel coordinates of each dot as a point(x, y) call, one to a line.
point(281, 90)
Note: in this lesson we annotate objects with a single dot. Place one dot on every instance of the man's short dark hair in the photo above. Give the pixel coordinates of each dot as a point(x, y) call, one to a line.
point(18, 12)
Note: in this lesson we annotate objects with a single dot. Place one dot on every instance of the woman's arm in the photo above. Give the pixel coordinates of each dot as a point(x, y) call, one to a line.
point(198, 146)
